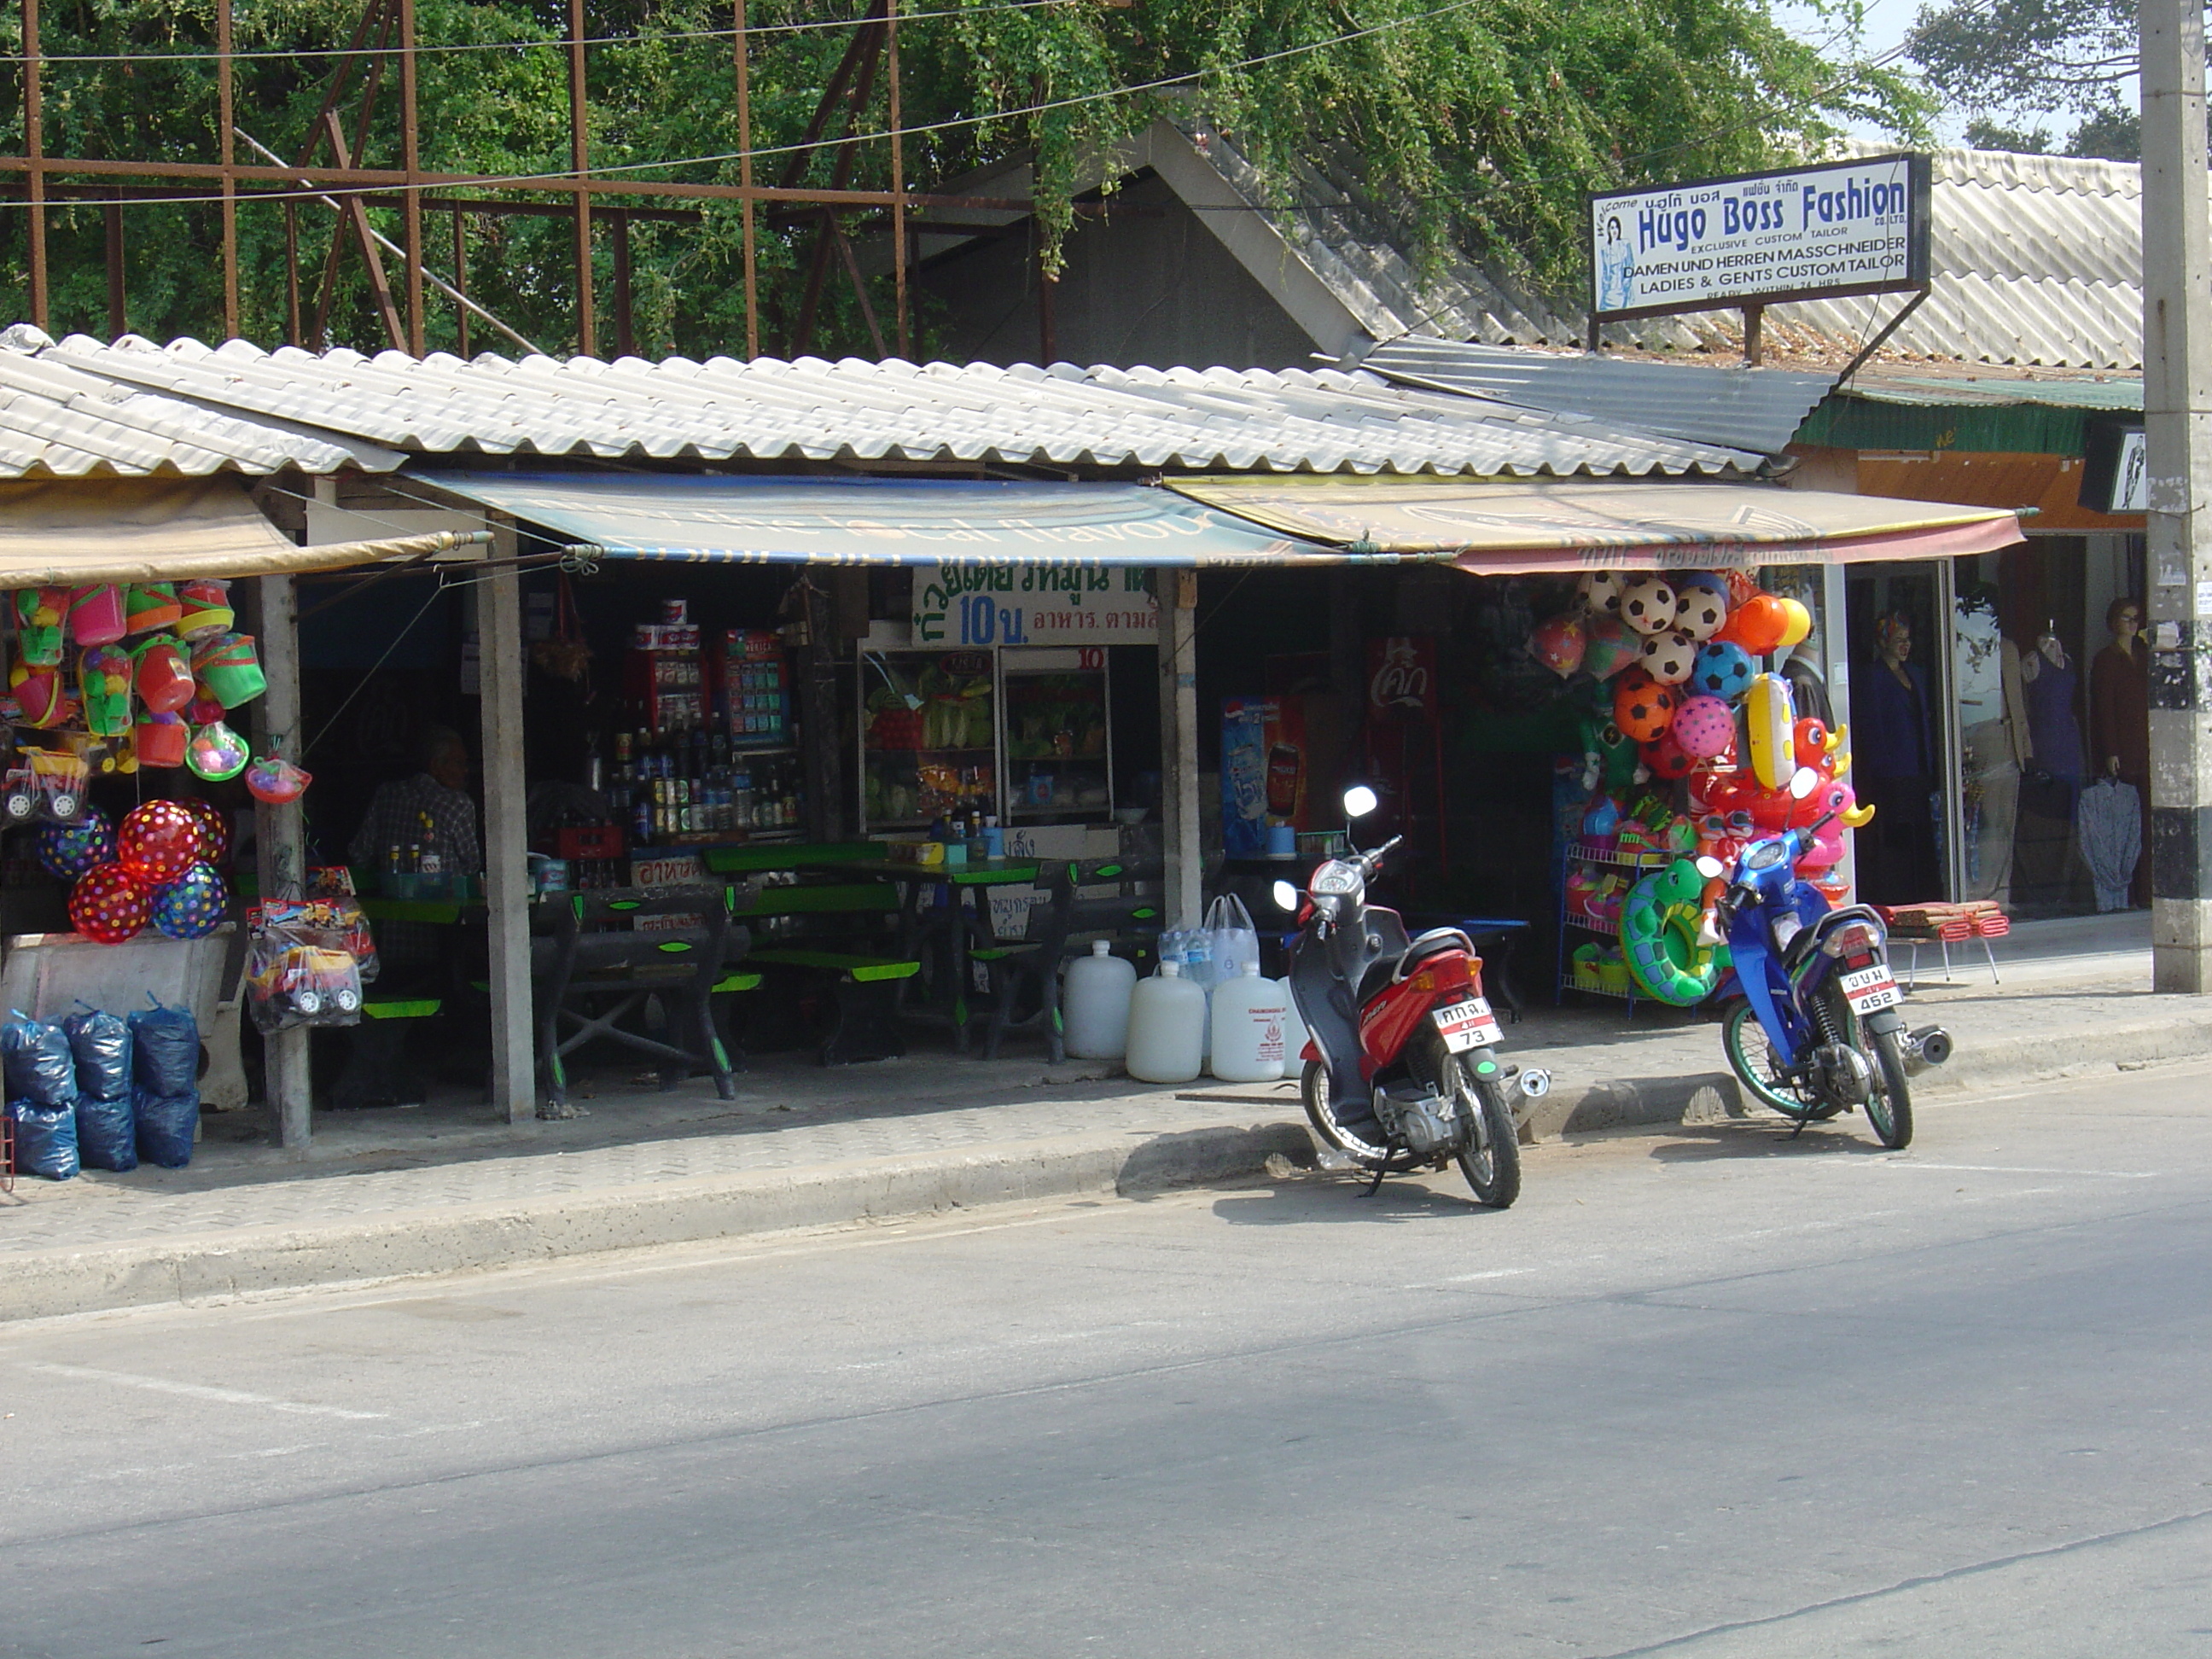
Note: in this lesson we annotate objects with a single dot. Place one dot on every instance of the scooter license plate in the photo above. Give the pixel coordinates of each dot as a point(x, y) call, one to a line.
point(1465, 1026)
point(1869, 988)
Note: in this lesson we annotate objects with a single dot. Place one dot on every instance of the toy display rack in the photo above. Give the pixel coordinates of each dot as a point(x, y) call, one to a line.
point(1637, 860)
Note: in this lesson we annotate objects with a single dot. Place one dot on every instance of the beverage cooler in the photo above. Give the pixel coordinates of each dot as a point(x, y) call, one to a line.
point(1021, 735)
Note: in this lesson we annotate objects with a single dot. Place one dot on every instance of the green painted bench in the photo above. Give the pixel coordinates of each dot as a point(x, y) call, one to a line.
point(866, 989)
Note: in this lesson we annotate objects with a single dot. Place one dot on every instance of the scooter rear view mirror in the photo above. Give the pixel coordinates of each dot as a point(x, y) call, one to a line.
point(1708, 867)
point(1286, 896)
point(1802, 783)
point(1359, 800)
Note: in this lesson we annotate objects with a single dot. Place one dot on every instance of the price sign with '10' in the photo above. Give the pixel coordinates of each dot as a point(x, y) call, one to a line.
point(983, 607)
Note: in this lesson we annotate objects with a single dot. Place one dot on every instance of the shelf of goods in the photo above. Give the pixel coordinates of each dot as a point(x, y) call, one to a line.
point(1604, 973)
point(929, 737)
point(1059, 736)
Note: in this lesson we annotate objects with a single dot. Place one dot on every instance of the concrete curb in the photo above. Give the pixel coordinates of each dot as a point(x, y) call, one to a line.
point(408, 1244)
point(1712, 1097)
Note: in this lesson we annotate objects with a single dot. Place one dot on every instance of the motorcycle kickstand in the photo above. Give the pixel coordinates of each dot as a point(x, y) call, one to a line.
point(1381, 1169)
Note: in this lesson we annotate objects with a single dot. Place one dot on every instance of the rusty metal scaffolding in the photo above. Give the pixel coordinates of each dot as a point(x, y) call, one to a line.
point(383, 41)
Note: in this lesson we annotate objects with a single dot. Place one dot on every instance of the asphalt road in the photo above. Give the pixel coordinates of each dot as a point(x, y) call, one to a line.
point(1709, 1393)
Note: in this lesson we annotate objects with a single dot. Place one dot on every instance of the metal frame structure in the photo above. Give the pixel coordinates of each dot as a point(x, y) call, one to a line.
point(385, 38)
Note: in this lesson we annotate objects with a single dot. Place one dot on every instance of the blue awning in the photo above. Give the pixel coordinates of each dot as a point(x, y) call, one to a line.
point(906, 521)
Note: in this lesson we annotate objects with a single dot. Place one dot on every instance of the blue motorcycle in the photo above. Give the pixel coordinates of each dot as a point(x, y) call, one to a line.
point(1819, 1028)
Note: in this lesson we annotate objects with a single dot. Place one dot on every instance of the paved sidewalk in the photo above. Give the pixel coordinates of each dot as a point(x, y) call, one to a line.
point(396, 1192)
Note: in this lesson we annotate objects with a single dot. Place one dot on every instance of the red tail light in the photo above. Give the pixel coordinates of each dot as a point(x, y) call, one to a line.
point(1446, 973)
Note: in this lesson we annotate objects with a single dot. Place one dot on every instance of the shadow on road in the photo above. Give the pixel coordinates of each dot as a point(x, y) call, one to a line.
point(1767, 1138)
point(1342, 1198)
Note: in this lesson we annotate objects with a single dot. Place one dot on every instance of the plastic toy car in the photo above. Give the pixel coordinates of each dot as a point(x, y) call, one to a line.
point(47, 784)
point(304, 980)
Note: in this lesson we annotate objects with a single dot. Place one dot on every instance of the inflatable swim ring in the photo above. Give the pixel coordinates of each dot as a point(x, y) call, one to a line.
point(1659, 937)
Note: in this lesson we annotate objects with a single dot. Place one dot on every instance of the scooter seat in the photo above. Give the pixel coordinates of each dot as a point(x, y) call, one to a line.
point(1435, 942)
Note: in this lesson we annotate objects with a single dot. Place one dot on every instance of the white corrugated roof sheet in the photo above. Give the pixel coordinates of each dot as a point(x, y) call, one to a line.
point(1215, 419)
point(58, 420)
point(2037, 260)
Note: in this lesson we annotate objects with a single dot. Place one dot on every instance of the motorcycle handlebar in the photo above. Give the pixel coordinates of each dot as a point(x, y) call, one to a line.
point(1371, 861)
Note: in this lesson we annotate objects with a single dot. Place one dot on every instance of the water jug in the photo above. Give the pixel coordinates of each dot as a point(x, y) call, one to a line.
point(1167, 1027)
point(1247, 1027)
point(1095, 1004)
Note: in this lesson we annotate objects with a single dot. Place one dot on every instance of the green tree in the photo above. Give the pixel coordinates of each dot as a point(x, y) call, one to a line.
point(1995, 59)
point(1481, 121)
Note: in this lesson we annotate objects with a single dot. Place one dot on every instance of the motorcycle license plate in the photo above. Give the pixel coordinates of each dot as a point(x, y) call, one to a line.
point(1466, 1025)
point(1869, 988)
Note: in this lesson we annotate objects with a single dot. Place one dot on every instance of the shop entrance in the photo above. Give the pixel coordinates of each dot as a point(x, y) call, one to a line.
point(1899, 728)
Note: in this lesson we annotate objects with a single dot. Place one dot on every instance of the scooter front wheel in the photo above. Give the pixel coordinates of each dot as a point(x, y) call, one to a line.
point(1752, 1057)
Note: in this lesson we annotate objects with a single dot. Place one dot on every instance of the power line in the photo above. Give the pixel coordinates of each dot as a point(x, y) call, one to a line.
point(560, 44)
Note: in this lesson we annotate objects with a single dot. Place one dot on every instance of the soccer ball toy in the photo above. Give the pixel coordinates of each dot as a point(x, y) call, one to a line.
point(1723, 670)
point(1668, 758)
point(1648, 604)
point(1699, 611)
point(1670, 657)
point(1642, 708)
point(1600, 592)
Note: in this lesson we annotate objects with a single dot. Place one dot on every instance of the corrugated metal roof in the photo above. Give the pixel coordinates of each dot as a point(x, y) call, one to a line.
point(58, 420)
point(2120, 393)
point(1325, 420)
point(2037, 259)
point(1744, 407)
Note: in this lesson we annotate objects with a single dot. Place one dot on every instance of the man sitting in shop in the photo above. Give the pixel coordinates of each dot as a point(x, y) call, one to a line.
point(423, 824)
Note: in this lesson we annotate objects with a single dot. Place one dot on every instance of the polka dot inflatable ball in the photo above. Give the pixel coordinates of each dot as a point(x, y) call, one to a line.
point(1704, 727)
point(1642, 708)
point(1600, 592)
point(215, 830)
point(192, 905)
point(1647, 605)
point(159, 841)
point(1670, 657)
point(107, 905)
point(66, 851)
point(1699, 611)
point(1723, 670)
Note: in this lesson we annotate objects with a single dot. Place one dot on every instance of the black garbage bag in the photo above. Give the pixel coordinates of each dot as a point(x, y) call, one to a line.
point(101, 1043)
point(166, 1126)
point(165, 1051)
point(37, 1063)
point(107, 1132)
point(45, 1139)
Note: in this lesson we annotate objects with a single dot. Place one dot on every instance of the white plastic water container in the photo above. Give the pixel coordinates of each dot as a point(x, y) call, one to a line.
point(1094, 1006)
point(1247, 1027)
point(1167, 1028)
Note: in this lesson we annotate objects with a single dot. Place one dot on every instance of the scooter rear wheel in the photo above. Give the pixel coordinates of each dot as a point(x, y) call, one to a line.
point(1313, 1090)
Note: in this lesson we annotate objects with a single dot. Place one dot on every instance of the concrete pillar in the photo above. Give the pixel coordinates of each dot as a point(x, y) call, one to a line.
point(505, 831)
point(2177, 252)
point(1179, 809)
point(281, 861)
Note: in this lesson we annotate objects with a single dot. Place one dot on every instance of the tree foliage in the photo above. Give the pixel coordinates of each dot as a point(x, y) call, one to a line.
point(1995, 59)
point(1483, 121)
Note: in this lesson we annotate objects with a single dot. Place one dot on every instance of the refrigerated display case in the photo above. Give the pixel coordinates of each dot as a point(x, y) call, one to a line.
point(1058, 735)
point(929, 737)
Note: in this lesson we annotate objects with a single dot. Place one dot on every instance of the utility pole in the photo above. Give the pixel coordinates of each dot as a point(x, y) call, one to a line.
point(2176, 253)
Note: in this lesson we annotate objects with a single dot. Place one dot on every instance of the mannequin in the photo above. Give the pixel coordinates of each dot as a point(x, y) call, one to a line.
point(1893, 763)
point(2119, 719)
point(1994, 741)
point(2044, 838)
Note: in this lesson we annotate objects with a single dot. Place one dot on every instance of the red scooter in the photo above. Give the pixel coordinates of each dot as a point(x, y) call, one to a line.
point(1400, 1066)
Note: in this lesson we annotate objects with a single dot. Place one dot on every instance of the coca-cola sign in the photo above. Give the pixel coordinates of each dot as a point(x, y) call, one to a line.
point(1401, 675)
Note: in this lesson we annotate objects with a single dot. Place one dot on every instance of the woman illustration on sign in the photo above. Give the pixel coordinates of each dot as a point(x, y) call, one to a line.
point(1616, 269)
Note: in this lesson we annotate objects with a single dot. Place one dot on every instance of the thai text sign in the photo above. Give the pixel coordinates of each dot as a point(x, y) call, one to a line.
point(967, 606)
point(1806, 232)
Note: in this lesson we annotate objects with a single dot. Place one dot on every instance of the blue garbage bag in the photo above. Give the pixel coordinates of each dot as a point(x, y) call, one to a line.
point(36, 1061)
point(107, 1132)
point(165, 1044)
point(45, 1139)
point(165, 1125)
point(101, 1044)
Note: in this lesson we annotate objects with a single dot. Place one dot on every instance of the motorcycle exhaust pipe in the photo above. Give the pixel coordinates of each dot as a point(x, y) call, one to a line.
point(1536, 1082)
point(1928, 1046)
